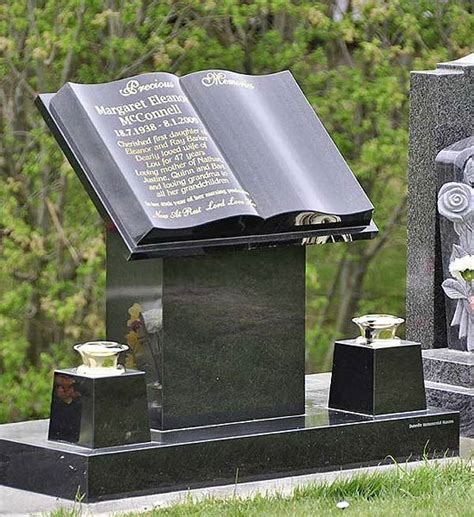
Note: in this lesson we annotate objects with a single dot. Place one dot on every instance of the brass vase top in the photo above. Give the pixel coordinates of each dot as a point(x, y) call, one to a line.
point(378, 329)
point(100, 358)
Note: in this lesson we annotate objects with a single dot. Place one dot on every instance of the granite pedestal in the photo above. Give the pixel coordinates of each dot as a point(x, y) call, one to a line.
point(220, 337)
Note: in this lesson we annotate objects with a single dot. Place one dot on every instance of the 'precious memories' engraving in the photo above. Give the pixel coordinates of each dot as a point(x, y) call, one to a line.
point(220, 78)
point(133, 86)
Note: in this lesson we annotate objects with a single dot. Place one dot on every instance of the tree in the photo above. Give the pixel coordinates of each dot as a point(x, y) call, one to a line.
point(352, 60)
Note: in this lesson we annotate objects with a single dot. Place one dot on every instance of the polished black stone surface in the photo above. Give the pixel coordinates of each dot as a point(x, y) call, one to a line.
point(220, 337)
point(377, 379)
point(320, 440)
point(99, 412)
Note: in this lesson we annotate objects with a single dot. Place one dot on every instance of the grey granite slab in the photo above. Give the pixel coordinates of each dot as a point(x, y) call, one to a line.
point(440, 115)
point(454, 398)
point(449, 367)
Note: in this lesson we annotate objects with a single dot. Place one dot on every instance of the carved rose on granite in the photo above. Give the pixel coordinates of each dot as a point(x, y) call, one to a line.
point(454, 201)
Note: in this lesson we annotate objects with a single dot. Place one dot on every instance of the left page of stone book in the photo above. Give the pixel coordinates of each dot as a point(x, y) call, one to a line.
point(147, 155)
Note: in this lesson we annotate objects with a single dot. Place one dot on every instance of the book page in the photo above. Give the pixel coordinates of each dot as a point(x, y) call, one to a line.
point(161, 148)
point(275, 144)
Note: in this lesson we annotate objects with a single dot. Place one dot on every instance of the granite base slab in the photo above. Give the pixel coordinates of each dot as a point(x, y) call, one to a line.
point(453, 398)
point(448, 366)
point(21, 503)
point(319, 441)
point(449, 384)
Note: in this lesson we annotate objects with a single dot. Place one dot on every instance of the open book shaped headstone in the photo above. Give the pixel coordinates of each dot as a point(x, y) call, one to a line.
point(181, 168)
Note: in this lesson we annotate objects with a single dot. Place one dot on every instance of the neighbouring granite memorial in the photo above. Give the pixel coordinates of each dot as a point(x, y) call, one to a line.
point(440, 308)
point(211, 186)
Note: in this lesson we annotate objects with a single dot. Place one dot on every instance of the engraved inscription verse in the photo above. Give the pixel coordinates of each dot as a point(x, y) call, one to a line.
point(167, 154)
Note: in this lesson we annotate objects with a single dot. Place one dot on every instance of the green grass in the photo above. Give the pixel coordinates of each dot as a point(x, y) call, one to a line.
point(432, 489)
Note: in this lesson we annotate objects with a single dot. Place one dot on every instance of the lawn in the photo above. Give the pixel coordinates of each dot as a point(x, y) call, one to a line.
point(444, 490)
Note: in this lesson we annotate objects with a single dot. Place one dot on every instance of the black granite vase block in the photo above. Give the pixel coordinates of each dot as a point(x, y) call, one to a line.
point(99, 412)
point(377, 379)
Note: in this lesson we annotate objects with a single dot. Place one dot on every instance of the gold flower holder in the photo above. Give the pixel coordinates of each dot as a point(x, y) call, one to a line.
point(378, 328)
point(100, 358)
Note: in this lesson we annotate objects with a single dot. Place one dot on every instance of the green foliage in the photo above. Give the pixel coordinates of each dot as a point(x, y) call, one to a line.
point(354, 68)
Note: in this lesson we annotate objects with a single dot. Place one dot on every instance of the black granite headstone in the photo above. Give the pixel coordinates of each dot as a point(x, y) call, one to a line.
point(214, 311)
point(238, 171)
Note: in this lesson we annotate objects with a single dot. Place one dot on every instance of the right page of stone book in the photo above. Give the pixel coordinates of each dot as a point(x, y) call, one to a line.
point(275, 145)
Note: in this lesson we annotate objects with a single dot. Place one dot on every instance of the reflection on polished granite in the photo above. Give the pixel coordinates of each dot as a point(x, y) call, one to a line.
point(101, 411)
point(320, 440)
point(221, 338)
